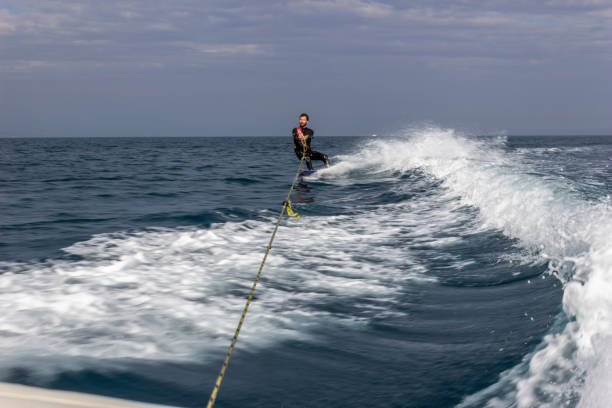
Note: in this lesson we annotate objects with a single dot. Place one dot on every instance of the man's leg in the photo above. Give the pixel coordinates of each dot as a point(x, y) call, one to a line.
point(320, 156)
point(298, 153)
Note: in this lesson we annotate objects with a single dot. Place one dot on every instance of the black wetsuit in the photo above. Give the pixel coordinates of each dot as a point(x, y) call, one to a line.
point(310, 154)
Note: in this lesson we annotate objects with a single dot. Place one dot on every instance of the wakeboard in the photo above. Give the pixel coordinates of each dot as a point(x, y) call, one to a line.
point(307, 173)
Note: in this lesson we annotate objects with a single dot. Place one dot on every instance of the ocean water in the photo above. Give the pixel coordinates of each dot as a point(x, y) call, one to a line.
point(429, 268)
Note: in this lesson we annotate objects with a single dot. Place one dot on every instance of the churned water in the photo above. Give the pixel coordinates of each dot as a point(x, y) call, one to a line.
point(428, 269)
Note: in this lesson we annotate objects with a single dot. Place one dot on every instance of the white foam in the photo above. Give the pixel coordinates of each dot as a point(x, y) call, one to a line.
point(176, 294)
point(544, 215)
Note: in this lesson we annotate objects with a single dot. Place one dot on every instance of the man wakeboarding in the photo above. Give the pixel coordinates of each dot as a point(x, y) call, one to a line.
point(302, 137)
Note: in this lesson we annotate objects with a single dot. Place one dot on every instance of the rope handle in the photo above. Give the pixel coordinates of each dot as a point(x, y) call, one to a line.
point(290, 211)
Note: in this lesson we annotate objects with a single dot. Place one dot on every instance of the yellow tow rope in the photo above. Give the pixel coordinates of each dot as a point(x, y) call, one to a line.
point(286, 206)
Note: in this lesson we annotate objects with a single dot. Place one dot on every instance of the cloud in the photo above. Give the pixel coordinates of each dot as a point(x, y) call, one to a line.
point(7, 24)
point(169, 32)
point(220, 49)
point(163, 26)
point(72, 35)
point(368, 9)
point(25, 65)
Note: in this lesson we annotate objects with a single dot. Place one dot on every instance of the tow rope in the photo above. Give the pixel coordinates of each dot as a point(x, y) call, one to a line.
point(291, 213)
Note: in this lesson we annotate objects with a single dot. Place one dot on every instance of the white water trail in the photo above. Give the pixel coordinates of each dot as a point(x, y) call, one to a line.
point(176, 294)
point(575, 235)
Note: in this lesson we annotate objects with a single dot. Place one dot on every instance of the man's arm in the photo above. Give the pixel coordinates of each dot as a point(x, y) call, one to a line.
point(296, 140)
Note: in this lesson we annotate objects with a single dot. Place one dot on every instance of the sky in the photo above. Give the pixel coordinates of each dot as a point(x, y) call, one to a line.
point(242, 68)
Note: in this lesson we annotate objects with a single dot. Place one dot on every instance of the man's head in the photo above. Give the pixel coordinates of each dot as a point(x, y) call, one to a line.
point(304, 119)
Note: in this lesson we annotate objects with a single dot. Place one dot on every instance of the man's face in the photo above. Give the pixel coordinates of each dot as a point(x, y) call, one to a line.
point(303, 121)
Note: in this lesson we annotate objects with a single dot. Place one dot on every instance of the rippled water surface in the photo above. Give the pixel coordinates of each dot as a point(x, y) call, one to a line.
point(428, 269)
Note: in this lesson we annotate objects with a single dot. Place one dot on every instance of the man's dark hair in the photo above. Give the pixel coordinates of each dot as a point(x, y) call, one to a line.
point(306, 115)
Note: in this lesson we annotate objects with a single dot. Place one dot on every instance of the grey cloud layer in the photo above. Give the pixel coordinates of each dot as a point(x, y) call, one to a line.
point(161, 33)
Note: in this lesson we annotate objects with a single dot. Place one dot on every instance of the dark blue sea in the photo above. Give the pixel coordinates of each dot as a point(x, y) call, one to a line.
point(429, 268)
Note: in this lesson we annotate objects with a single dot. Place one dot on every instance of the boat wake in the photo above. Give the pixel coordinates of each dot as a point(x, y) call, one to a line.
point(573, 364)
